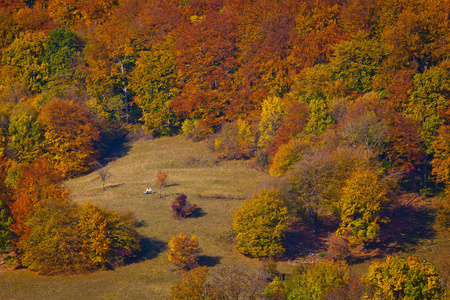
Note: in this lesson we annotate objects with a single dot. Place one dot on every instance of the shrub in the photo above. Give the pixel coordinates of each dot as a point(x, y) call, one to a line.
point(53, 245)
point(259, 225)
point(338, 248)
point(397, 278)
point(181, 208)
point(109, 237)
point(183, 252)
point(235, 141)
point(310, 283)
point(67, 239)
point(192, 286)
point(231, 281)
point(225, 282)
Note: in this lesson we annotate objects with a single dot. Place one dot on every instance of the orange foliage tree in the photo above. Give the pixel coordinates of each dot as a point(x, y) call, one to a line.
point(70, 135)
point(39, 183)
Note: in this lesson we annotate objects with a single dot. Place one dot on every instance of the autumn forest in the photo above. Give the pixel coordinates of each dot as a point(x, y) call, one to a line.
point(344, 104)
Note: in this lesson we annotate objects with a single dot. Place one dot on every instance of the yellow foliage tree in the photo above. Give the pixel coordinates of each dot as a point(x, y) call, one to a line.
point(360, 205)
point(259, 225)
point(287, 155)
point(183, 251)
point(397, 278)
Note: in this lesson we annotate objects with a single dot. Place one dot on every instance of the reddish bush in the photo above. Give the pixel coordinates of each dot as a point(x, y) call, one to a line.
point(182, 208)
point(338, 248)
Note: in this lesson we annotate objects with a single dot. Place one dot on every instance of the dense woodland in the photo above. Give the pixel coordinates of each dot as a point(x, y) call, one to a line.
point(345, 103)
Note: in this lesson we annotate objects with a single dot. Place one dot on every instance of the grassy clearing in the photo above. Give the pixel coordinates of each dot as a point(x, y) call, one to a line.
point(216, 187)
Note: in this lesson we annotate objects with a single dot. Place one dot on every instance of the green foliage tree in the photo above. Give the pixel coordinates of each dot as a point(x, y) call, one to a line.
point(259, 225)
point(60, 49)
point(397, 278)
point(428, 99)
point(153, 81)
point(5, 232)
point(315, 182)
point(5, 197)
point(23, 57)
point(362, 200)
point(183, 252)
point(235, 140)
point(26, 135)
point(64, 238)
point(310, 283)
point(54, 245)
point(358, 61)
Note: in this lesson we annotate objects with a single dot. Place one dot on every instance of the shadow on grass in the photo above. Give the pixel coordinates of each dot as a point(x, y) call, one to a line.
point(208, 261)
point(114, 185)
point(407, 227)
point(113, 148)
point(198, 212)
point(151, 248)
point(172, 184)
point(300, 240)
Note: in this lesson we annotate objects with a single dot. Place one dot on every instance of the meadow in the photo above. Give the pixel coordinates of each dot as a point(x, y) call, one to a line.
point(218, 188)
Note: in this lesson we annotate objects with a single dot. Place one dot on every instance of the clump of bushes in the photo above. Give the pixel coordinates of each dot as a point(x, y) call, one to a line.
point(397, 278)
point(311, 282)
point(235, 141)
point(65, 238)
point(183, 252)
point(181, 208)
point(228, 281)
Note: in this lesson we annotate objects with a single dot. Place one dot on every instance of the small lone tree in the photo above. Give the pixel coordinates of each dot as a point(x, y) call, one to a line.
point(161, 180)
point(183, 252)
point(103, 173)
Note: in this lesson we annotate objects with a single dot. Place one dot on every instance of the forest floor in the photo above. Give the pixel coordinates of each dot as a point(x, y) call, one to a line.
point(218, 188)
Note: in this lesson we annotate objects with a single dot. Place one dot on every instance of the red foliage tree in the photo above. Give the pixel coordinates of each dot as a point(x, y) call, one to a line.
point(39, 183)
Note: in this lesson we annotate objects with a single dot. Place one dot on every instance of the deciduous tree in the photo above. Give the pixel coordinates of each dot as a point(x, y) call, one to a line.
point(397, 278)
point(360, 206)
point(259, 225)
point(183, 252)
point(161, 181)
point(39, 183)
point(70, 135)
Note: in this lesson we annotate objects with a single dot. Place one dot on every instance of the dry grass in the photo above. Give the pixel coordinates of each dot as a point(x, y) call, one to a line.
point(215, 187)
